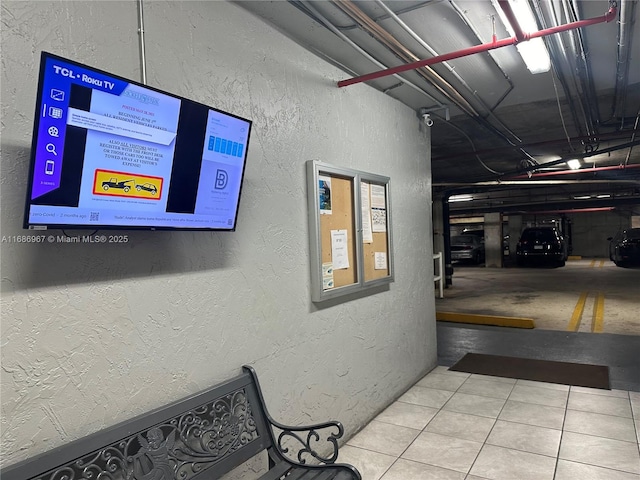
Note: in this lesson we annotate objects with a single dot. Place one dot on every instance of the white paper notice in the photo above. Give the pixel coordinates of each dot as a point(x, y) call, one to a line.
point(367, 234)
point(339, 250)
point(378, 196)
point(378, 208)
point(380, 261)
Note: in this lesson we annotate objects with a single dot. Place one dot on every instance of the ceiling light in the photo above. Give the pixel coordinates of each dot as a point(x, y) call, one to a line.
point(460, 198)
point(604, 195)
point(533, 52)
point(574, 164)
point(582, 197)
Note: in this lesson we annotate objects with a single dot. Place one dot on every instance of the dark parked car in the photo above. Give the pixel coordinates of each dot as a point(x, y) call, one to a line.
point(468, 248)
point(541, 245)
point(624, 248)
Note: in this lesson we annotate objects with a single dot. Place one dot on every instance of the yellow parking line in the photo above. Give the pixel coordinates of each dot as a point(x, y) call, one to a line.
point(598, 314)
point(601, 263)
point(577, 313)
point(592, 264)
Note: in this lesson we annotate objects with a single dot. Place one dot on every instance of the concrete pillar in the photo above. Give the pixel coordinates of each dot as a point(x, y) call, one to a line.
point(438, 225)
point(493, 240)
point(515, 229)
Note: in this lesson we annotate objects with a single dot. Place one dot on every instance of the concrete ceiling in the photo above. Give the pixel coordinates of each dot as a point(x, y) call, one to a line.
point(495, 123)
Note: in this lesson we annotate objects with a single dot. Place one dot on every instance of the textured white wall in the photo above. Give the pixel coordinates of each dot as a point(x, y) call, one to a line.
point(94, 334)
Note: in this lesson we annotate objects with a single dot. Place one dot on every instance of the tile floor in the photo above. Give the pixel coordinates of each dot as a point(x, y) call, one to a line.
point(457, 426)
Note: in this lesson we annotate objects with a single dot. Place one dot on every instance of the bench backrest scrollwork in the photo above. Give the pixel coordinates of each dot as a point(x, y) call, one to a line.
point(206, 434)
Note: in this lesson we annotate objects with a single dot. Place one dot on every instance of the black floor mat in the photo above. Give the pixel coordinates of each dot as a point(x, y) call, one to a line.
point(583, 375)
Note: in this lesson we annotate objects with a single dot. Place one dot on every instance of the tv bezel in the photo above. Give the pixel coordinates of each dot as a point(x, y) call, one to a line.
point(27, 225)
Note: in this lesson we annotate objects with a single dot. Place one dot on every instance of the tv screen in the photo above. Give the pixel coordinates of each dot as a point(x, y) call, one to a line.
point(108, 152)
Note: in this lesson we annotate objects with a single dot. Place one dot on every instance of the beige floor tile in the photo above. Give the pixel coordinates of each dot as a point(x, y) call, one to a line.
point(635, 404)
point(475, 405)
point(372, 465)
point(442, 382)
point(511, 381)
point(586, 402)
point(609, 426)
point(551, 386)
point(442, 451)
point(539, 396)
point(498, 463)
point(601, 391)
point(384, 438)
point(446, 371)
point(527, 438)
point(486, 388)
point(532, 414)
point(427, 397)
point(461, 425)
point(579, 471)
point(408, 470)
point(601, 452)
point(407, 415)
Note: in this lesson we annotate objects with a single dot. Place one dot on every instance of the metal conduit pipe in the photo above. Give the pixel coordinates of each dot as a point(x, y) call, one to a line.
point(405, 54)
point(452, 71)
point(478, 49)
point(585, 86)
point(143, 59)
point(558, 56)
point(623, 59)
point(466, 21)
point(577, 172)
point(337, 32)
point(402, 51)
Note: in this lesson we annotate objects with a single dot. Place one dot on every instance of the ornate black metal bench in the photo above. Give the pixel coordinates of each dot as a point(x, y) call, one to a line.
point(203, 436)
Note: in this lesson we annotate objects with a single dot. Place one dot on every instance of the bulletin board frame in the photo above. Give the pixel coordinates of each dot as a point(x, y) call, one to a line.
point(349, 228)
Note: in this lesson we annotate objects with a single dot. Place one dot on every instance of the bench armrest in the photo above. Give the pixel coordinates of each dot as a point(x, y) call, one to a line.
point(307, 438)
point(303, 439)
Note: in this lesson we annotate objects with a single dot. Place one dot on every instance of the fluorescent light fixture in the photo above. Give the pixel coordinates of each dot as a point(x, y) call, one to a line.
point(604, 195)
point(533, 52)
point(574, 164)
point(582, 197)
point(460, 198)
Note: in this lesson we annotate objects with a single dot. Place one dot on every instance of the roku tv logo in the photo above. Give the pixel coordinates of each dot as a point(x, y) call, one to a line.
point(221, 179)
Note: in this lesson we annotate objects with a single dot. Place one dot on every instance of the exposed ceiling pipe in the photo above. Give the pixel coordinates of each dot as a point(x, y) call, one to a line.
point(451, 70)
point(607, 17)
point(467, 22)
point(581, 171)
point(623, 59)
point(564, 159)
point(493, 151)
point(584, 83)
point(511, 183)
point(404, 54)
point(319, 17)
point(559, 59)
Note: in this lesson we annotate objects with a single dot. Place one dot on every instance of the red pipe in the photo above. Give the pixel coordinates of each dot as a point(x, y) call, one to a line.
point(485, 47)
point(579, 171)
point(508, 12)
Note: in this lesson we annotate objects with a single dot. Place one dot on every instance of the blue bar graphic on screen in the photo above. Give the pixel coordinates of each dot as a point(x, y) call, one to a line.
point(217, 146)
point(211, 142)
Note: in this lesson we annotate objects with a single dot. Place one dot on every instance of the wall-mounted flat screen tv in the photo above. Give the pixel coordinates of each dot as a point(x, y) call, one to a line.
point(108, 152)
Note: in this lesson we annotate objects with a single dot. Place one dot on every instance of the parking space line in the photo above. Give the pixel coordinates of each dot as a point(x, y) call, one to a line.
point(601, 263)
point(598, 314)
point(593, 263)
point(577, 313)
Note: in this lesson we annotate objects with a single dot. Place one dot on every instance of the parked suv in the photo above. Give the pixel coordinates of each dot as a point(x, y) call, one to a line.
point(541, 245)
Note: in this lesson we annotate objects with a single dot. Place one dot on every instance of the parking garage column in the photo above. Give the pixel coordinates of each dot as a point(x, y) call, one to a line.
point(515, 228)
point(493, 240)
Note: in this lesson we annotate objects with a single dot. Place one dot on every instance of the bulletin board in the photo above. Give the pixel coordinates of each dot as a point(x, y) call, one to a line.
point(349, 225)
